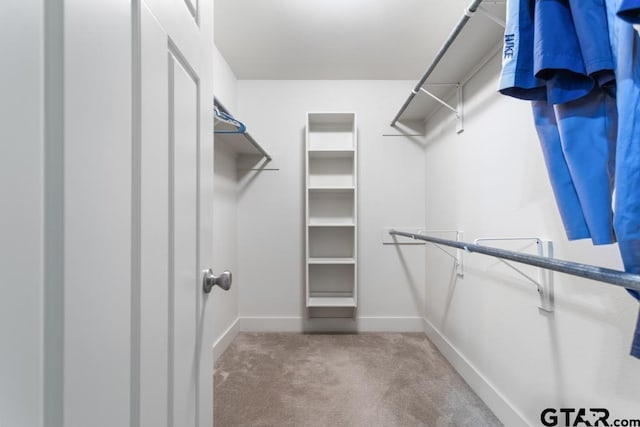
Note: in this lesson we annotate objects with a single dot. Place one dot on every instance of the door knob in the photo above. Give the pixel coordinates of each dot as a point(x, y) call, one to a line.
point(209, 280)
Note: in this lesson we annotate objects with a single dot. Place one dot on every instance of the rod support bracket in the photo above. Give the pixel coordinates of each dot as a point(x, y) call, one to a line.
point(459, 114)
point(498, 21)
point(544, 281)
point(546, 278)
point(458, 257)
point(457, 110)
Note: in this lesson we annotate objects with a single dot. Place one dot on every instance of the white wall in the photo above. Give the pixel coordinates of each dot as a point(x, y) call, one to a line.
point(491, 181)
point(271, 204)
point(225, 211)
point(21, 215)
point(224, 81)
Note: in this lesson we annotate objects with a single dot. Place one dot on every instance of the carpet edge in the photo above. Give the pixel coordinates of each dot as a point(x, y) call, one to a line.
point(490, 395)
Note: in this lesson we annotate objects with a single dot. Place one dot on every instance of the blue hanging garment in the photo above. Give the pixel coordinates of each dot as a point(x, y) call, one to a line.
point(579, 64)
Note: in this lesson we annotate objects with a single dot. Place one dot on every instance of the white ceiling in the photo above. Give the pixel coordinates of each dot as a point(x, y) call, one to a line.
point(333, 39)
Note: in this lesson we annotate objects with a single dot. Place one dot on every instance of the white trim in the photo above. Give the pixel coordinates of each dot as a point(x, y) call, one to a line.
point(270, 324)
point(493, 398)
point(360, 324)
point(223, 342)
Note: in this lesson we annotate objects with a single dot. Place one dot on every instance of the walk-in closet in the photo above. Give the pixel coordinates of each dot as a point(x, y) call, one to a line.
point(320, 213)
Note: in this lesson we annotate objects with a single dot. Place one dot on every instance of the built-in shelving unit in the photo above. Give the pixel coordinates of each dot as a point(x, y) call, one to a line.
point(331, 210)
point(239, 140)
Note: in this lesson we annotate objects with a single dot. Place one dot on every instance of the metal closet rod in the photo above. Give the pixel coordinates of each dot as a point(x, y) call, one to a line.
point(447, 44)
point(601, 274)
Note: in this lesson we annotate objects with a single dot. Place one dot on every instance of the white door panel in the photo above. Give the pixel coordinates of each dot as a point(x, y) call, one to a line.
point(183, 27)
point(173, 319)
point(193, 7)
point(154, 230)
point(111, 182)
point(184, 289)
point(97, 201)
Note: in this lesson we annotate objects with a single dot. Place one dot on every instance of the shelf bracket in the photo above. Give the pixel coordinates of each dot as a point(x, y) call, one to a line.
point(458, 257)
point(544, 281)
point(492, 17)
point(459, 103)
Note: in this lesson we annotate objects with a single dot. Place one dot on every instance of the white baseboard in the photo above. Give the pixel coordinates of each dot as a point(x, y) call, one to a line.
point(495, 400)
point(361, 324)
point(271, 324)
point(225, 339)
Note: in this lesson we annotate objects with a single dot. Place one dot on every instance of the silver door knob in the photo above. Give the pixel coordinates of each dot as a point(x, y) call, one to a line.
point(209, 280)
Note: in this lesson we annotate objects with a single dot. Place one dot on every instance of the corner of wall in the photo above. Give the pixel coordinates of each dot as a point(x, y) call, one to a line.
point(223, 342)
point(224, 81)
point(496, 401)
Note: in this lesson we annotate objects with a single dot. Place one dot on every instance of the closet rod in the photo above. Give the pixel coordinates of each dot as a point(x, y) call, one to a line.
point(601, 274)
point(447, 44)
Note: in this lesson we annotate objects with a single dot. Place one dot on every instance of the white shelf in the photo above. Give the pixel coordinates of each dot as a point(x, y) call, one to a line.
point(331, 242)
point(347, 152)
point(330, 131)
point(332, 189)
point(331, 302)
point(331, 212)
point(480, 39)
point(320, 223)
point(240, 143)
point(331, 120)
point(331, 171)
point(332, 261)
point(331, 207)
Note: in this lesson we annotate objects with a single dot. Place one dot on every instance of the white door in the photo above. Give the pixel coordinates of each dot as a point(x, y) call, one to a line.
point(106, 154)
point(176, 192)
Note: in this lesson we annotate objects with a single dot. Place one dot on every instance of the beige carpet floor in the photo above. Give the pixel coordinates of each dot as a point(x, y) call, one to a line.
point(369, 379)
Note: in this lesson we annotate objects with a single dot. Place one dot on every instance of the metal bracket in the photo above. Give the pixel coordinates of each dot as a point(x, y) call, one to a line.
point(458, 258)
point(492, 17)
point(459, 101)
point(388, 239)
point(544, 282)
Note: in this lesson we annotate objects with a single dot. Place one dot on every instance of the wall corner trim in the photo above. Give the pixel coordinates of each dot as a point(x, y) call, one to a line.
point(225, 339)
point(299, 324)
point(493, 398)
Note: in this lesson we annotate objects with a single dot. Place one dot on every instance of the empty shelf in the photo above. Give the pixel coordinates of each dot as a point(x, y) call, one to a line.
point(329, 189)
point(331, 302)
point(331, 153)
point(316, 223)
point(333, 260)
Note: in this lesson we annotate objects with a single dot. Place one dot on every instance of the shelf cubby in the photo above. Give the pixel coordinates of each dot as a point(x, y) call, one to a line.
point(331, 242)
point(331, 207)
point(331, 169)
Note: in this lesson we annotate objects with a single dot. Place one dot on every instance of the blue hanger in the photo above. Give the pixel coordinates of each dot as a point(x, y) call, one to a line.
point(228, 118)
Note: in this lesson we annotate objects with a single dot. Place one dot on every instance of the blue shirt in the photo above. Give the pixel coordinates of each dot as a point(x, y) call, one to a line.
point(555, 50)
point(572, 50)
point(518, 78)
point(630, 11)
